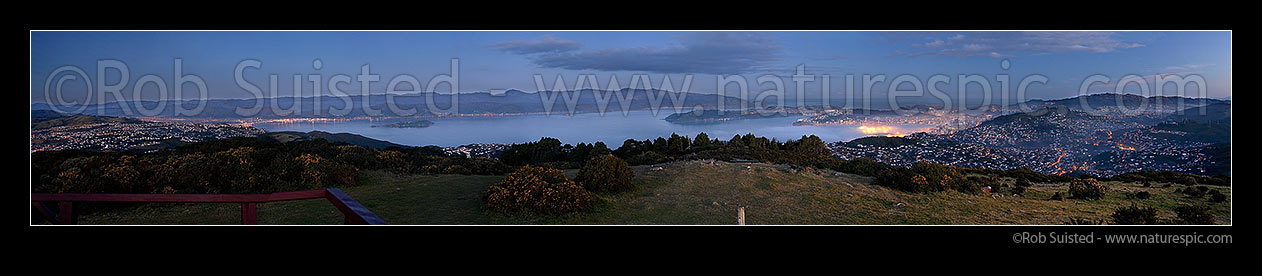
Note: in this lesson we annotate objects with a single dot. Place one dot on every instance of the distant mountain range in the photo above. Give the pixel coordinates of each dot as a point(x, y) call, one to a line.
point(513, 101)
point(409, 124)
point(1128, 101)
point(149, 136)
point(42, 119)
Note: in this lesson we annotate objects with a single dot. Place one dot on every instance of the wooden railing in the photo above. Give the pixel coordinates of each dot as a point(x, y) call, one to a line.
point(352, 211)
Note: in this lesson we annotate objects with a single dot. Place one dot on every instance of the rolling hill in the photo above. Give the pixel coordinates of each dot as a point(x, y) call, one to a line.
point(1129, 101)
point(353, 139)
point(42, 119)
point(689, 193)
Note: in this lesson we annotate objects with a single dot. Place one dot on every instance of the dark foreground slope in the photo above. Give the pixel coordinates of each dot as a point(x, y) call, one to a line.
point(687, 193)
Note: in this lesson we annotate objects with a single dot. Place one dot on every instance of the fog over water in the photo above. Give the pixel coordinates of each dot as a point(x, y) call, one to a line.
point(611, 128)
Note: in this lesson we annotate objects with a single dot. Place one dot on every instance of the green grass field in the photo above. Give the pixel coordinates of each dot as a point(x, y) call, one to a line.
point(685, 193)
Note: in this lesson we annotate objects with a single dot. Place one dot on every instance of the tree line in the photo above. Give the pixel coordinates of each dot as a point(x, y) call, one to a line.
point(239, 165)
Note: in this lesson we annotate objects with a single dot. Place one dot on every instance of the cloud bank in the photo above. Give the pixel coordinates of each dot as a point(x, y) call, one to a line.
point(548, 44)
point(1007, 44)
point(697, 52)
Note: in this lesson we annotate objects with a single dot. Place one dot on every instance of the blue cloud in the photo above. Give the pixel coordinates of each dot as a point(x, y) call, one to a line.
point(1006, 44)
point(548, 44)
point(698, 52)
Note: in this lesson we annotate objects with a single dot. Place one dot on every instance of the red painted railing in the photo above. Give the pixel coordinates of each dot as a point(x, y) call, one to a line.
point(352, 211)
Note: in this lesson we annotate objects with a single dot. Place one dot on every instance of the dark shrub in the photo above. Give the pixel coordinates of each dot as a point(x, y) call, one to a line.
point(1087, 188)
point(1018, 190)
point(648, 158)
point(892, 176)
point(927, 177)
point(545, 150)
point(1198, 215)
point(1058, 196)
point(905, 180)
point(1135, 215)
point(560, 165)
point(1193, 192)
point(970, 187)
point(1143, 195)
point(863, 166)
point(606, 173)
point(1217, 197)
point(809, 145)
point(359, 157)
point(1022, 182)
point(975, 183)
point(538, 189)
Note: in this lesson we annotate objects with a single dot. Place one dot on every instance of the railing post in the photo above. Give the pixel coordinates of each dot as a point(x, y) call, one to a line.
point(65, 213)
point(248, 214)
point(352, 211)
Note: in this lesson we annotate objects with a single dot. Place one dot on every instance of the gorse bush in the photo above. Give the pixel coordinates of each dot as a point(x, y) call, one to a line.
point(926, 177)
point(319, 172)
point(919, 183)
point(939, 177)
point(538, 189)
point(1135, 215)
point(1087, 188)
point(606, 173)
point(1198, 215)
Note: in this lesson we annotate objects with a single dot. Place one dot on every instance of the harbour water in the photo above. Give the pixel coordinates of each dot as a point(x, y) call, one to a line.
point(611, 128)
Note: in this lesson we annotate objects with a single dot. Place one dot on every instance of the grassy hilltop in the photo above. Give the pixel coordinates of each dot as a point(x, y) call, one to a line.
point(687, 193)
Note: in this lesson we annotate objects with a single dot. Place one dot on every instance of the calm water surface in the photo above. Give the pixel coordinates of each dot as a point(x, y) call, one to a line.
point(611, 128)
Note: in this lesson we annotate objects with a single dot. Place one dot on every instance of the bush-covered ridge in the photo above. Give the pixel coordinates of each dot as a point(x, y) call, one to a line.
point(238, 165)
point(261, 165)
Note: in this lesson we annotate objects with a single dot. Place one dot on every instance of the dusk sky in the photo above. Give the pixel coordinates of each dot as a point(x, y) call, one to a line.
point(508, 60)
